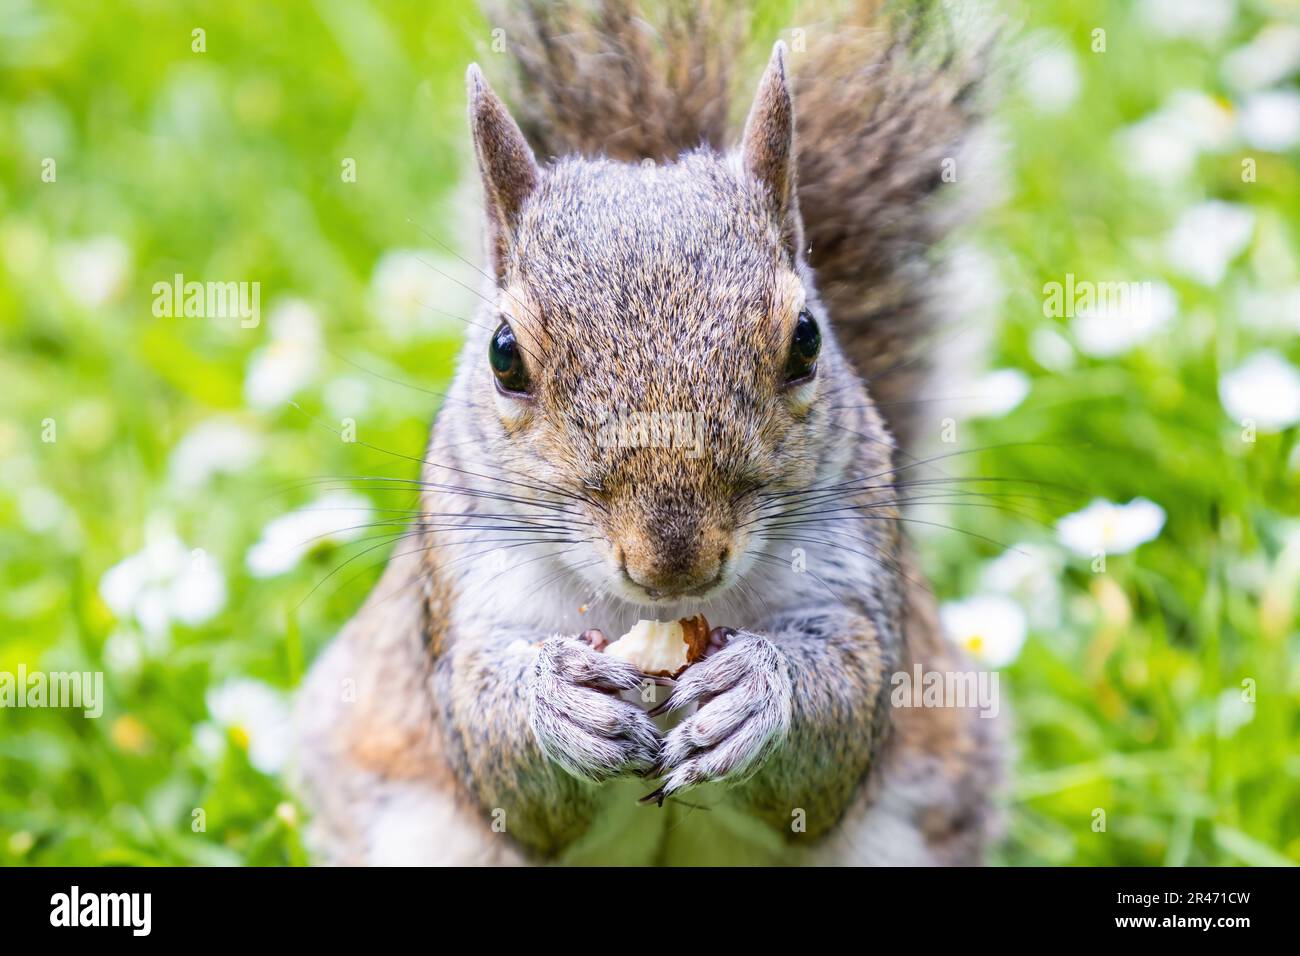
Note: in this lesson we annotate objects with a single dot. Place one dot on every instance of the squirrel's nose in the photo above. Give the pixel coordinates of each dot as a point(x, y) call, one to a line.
point(675, 570)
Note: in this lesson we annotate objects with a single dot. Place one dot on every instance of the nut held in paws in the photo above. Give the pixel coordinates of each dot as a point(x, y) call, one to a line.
point(663, 649)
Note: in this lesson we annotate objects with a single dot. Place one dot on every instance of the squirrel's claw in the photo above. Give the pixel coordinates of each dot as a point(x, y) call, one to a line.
point(657, 798)
point(744, 695)
point(578, 719)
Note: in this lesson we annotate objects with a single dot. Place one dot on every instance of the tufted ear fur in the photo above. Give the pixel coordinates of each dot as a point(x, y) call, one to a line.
point(506, 165)
point(767, 148)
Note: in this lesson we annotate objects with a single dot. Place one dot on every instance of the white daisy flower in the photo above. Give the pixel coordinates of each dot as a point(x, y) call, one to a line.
point(290, 361)
point(996, 393)
point(1117, 324)
point(991, 628)
point(287, 539)
point(93, 272)
point(165, 582)
point(1051, 80)
point(209, 742)
point(124, 652)
point(347, 396)
point(1265, 389)
point(1271, 120)
point(216, 446)
point(42, 511)
point(1110, 528)
point(1151, 148)
point(1269, 58)
point(1051, 349)
point(258, 717)
point(412, 293)
point(1031, 574)
point(1207, 237)
point(1270, 310)
point(1204, 20)
point(1164, 145)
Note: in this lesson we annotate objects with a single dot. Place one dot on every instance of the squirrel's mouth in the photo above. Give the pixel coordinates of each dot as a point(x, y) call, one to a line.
point(670, 595)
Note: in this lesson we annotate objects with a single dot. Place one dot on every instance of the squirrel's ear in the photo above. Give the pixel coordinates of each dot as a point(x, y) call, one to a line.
point(505, 162)
point(767, 149)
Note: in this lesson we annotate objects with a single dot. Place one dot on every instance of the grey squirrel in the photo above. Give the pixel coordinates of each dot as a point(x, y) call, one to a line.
point(467, 714)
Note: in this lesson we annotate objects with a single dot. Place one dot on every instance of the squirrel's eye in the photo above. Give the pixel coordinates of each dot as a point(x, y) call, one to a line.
point(507, 360)
point(805, 345)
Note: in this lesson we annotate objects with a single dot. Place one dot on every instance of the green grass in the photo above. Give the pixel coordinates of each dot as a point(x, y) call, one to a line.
point(225, 165)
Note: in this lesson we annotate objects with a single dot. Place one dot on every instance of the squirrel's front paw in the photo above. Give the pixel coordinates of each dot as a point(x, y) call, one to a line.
point(744, 692)
point(579, 722)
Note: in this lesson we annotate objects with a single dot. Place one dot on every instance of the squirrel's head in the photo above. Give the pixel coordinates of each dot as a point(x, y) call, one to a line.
point(654, 347)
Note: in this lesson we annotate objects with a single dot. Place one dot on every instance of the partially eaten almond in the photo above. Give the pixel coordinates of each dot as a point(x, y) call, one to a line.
point(663, 648)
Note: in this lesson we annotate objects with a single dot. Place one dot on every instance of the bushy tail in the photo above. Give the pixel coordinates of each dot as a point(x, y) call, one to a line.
point(884, 96)
point(883, 110)
point(601, 78)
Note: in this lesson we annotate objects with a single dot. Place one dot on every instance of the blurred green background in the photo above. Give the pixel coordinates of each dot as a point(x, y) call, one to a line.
point(157, 487)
